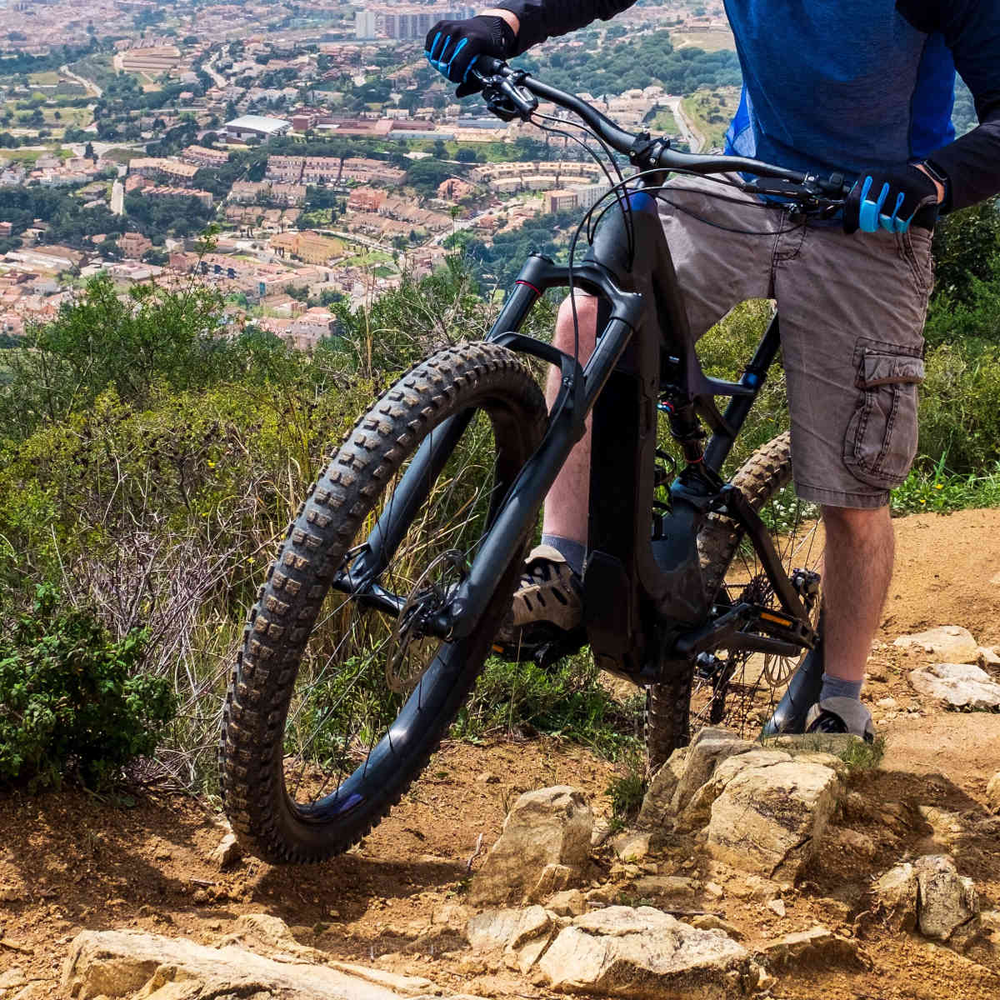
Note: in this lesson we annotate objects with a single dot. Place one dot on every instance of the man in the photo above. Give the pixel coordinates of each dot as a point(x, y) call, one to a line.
point(860, 87)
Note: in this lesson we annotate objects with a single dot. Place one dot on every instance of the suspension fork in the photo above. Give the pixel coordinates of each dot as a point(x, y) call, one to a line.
point(580, 389)
point(431, 458)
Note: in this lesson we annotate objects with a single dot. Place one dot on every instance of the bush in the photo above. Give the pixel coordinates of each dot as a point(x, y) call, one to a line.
point(71, 699)
point(628, 789)
point(958, 408)
point(565, 700)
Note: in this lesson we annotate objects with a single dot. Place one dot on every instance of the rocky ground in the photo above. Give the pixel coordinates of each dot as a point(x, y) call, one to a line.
point(794, 870)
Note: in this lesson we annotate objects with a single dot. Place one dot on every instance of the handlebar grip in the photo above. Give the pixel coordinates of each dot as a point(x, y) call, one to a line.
point(488, 66)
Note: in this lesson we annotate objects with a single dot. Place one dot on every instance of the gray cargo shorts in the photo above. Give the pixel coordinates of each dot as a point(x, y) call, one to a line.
point(852, 312)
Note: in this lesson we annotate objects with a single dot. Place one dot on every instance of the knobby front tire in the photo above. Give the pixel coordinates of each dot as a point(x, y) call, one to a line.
point(317, 745)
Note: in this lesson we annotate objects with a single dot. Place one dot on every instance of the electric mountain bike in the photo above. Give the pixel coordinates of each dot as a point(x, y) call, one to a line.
point(381, 607)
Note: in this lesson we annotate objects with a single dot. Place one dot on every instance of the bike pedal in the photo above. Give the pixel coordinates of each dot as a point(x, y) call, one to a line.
point(543, 647)
point(568, 644)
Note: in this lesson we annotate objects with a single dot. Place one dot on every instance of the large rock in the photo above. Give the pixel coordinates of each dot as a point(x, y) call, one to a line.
point(928, 895)
point(228, 851)
point(769, 819)
point(625, 952)
point(551, 826)
point(947, 642)
point(659, 797)
point(677, 781)
point(697, 812)
point(958, 685)
point(945, 899)
point(993, 793)
point(710, 748)
point(121, 963)
point(495, 930)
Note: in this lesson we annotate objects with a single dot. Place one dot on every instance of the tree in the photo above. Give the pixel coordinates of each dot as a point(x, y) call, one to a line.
point(156, 257)
point(88, 152)
point(967, 249)
point(127, 343)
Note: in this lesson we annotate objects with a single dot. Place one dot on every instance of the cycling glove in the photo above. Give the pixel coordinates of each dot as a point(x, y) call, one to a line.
point(452, 47)
point(891, 199)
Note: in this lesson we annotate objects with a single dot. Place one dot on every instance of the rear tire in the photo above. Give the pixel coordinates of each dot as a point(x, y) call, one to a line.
point(730, 697)
point(262, 745)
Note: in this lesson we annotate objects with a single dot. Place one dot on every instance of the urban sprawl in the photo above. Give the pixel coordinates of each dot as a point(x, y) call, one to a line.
point(295, 156)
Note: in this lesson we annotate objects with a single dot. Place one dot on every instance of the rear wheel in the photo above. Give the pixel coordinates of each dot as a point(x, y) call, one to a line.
point(739, 690)
point(338, 701)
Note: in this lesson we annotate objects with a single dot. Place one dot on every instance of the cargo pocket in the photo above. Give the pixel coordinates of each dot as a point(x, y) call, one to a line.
point(881, 439)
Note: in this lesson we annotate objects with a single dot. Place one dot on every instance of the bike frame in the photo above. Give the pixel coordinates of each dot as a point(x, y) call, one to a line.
point(646, 608)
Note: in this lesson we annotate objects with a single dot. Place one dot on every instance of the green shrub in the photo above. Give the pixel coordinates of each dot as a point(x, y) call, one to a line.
point(959, 416)
point(563, 700)
point(627, 790)
point(72, 702)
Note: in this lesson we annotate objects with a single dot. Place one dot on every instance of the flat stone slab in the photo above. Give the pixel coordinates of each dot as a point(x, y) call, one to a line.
point(958, 685)
point(644, 953)
point(946, 642)
point(121, 963)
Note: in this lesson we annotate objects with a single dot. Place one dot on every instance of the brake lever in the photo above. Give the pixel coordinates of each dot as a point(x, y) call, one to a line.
point(825, 196)
point(504, 97)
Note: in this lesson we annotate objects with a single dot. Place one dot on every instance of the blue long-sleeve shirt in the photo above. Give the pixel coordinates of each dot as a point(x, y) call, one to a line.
point(846, 85)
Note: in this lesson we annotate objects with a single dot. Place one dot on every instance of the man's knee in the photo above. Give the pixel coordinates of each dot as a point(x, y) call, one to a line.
point(586, 317)
point(856, 522)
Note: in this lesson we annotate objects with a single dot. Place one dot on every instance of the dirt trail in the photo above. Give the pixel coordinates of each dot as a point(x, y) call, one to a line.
point(69, 861)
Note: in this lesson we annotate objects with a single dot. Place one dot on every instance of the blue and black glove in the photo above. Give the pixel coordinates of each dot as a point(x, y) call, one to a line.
point(452, 47)
point(890, 199)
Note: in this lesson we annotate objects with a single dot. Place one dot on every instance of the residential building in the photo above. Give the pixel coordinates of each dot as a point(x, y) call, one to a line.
point(405, 21)
point(134, 245)
point(308, 246)
point(561, 200)
point(173, 170)
point(307, 330)
point(366, 199)
point(202, 156)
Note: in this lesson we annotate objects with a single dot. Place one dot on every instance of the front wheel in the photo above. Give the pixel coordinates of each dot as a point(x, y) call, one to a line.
point(739, 690)
point(338, 701)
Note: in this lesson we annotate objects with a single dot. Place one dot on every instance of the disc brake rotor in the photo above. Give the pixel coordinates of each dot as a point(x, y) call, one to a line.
point(429, 597)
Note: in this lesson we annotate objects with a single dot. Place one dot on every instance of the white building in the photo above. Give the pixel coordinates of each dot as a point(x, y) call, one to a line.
point(256, 126)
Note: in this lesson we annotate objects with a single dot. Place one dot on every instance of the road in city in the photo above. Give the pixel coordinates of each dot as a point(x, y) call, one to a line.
point(689, 133)
point(83, 81)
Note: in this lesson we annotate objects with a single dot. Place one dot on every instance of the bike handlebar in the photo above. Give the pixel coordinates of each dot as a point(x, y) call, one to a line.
point(514, 93)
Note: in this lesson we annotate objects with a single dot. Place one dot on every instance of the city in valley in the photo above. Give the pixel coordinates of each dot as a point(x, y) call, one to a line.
point(300, 155)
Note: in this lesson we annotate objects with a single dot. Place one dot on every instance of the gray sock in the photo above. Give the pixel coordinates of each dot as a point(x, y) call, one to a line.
point(575, 553)
point(834, 687)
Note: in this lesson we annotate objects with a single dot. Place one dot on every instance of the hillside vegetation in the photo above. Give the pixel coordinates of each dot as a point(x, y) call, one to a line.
point(149, 465)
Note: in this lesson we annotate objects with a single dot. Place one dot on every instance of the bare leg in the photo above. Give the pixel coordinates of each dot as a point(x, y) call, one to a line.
point(568, 502)
point(860, 548)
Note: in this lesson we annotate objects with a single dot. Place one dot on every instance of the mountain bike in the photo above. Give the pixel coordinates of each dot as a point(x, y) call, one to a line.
point(381, 607)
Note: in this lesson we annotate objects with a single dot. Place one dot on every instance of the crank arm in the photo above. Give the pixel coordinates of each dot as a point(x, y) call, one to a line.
point(727, 632)
point(717, 633)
